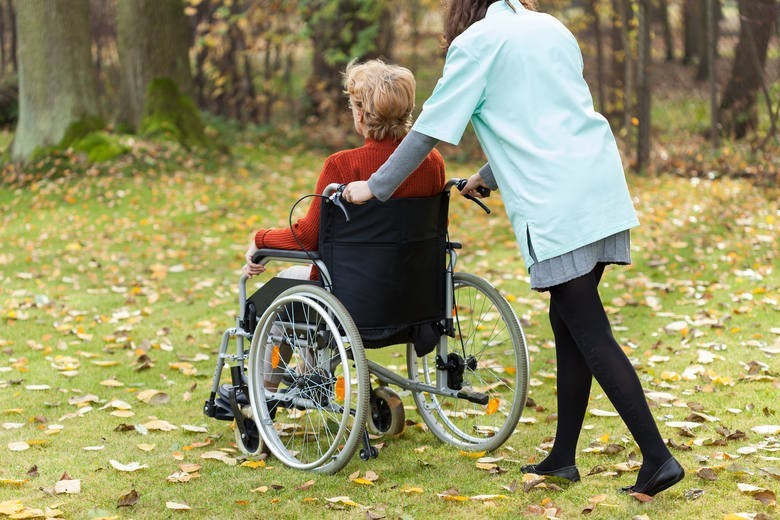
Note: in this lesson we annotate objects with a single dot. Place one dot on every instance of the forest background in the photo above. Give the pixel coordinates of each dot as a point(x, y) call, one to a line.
point(143, 140)
point(690, 86)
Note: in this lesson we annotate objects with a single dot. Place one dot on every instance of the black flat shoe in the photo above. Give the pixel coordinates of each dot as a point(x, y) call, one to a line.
point(569, 473)
point(669, 474)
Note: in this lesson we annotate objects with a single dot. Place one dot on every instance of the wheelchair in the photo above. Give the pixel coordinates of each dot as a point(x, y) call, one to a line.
point(305, 391)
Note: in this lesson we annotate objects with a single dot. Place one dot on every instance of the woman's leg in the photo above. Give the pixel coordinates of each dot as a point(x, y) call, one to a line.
point(578, 305)
point(573, 382)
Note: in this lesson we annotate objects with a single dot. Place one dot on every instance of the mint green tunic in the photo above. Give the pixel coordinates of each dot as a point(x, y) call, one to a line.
point(517, 77)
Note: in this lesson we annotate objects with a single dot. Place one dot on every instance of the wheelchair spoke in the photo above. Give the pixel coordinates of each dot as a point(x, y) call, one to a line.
point(494, 362)
point(314, 427)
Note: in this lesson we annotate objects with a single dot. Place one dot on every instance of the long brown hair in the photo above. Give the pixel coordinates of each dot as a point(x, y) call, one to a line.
point(462, 13)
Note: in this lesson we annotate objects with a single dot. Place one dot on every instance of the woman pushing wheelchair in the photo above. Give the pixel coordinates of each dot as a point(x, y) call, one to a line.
point(305, 390)
point(516, 74)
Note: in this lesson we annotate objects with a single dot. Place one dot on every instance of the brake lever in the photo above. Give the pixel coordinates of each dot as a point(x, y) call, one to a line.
point(335, 198)
point(485, 192)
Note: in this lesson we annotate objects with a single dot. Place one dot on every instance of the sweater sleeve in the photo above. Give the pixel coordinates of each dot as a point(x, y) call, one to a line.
point(486, 172)
point(305, 229)
point(414, 148)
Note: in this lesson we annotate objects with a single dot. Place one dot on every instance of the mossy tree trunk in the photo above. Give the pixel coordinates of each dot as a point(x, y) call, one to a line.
point(153, 42)
point(57, 86)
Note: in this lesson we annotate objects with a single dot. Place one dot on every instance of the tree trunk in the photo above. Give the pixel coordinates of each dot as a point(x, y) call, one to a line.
point(2, 41)
point(628, 62)
point(663, 13)
point(712, 43)
point(709, 36)
point(204, 12)
point(598, 36)
point(153, 42)
point(103, 22)
point(692, 27)
point(738, 112)
point(14, 38)
point(57, 86)
point(643, 86)
point(619, 52)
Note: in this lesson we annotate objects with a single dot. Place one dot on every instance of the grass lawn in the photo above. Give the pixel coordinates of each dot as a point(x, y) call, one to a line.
point(120, 279)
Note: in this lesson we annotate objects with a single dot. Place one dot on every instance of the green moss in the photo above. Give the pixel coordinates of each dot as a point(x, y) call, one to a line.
point(100, 146)
point(79, 129)
point(170, 114)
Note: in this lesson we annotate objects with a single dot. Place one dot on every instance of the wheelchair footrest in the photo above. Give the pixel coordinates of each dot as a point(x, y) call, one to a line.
point(474, 397)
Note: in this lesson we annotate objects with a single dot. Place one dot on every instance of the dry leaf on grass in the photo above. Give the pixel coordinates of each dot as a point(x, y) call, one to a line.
point(67, 486)
point(154, 397)
point(707, 474)
point(367, 479)
point(767, 429)
point(160, 425)
point(194, 429)
point(177, 506)
point(593, 502)
point(453, 495)
point(220, 456)
point(129, 467)
point(253, 464)
point(763, 495)
point(487, 498)
point(10, 507)
point(18, 446)
point(128, 500)
point(641, 497)
point(12, 482)
point(343, 500)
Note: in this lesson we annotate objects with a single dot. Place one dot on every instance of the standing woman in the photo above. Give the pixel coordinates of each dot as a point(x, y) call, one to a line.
point(516, 74)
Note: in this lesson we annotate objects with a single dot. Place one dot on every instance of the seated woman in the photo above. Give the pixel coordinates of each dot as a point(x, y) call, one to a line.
point(381, 97)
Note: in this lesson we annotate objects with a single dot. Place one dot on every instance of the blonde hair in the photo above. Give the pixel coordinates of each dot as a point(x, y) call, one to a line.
point(384, 93)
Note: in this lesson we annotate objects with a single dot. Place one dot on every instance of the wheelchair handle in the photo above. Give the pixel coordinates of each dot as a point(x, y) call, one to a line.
point(332, 193)
point(485, 192)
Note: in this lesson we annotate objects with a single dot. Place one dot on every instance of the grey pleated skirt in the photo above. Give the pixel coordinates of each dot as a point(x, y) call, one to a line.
point(614, 249)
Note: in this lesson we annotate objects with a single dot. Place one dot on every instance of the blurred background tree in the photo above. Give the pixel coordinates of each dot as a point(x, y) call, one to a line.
point(152, 42)
point(57, 90)
point(668, 74)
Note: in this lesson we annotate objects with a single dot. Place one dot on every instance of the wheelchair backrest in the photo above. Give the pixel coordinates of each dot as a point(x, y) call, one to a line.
point(387, 264)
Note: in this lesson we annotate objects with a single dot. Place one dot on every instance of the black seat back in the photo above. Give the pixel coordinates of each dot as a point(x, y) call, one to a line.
point(387, 265)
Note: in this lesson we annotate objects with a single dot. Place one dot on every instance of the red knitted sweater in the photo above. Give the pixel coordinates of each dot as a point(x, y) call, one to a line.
point(346, 166)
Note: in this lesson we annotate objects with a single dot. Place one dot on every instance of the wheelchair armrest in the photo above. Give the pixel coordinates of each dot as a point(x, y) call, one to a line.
point(264, 255)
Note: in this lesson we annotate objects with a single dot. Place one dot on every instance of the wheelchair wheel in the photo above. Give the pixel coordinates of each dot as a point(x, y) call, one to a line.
point(387, 416)
point(251, 444)
point(488, 355)
point(307, 346)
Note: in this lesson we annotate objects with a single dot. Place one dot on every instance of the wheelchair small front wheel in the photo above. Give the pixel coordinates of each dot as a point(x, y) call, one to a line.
point(386, 412)
point(249, 442)
point(309, 380)
point(487, 357)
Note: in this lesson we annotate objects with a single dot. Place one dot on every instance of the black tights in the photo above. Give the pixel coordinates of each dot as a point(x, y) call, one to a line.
point(585, 348)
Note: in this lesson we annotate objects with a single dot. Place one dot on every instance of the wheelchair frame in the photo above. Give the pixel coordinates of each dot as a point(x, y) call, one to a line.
point(437, 395)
